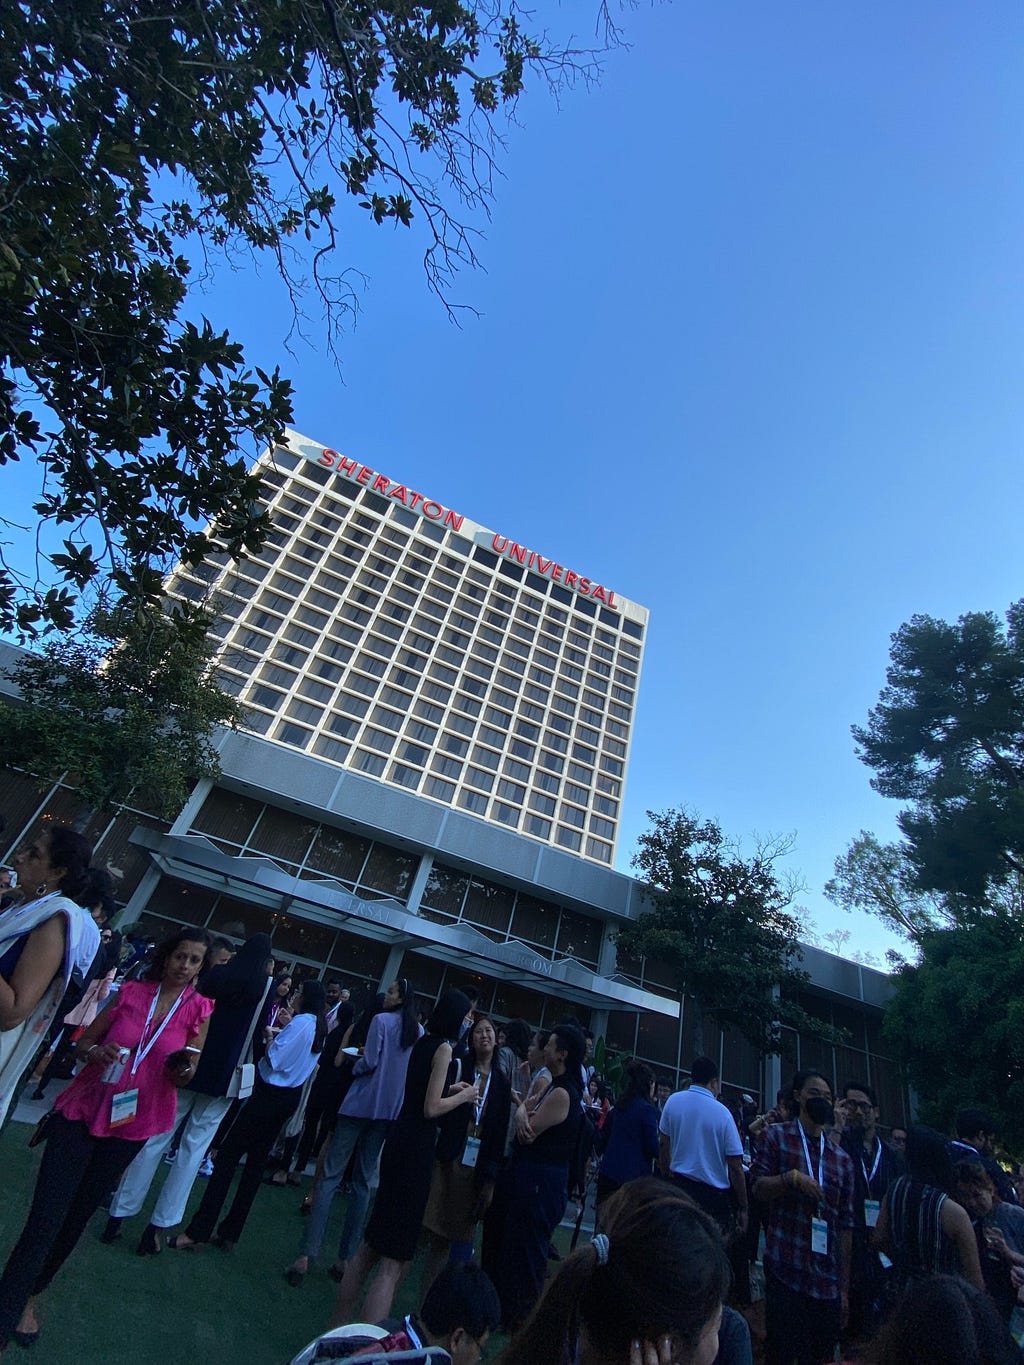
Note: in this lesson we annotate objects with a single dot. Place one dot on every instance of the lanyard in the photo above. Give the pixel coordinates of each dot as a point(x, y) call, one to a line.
point(807, 1155)
point(478, 1105)
point(141, 1053)
point(874, 1168)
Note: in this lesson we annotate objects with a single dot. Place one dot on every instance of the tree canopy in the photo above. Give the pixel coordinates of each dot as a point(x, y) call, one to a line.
point(136, 138)
point(947, 737)
point(957, 1024)
point(126, 706)
point(720, 922)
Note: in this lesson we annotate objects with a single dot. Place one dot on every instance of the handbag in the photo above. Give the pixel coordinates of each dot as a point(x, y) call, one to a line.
point(243, 1078)
point(42, 1129)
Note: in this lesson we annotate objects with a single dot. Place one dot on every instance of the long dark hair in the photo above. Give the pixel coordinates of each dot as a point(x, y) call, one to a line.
point(314, 1001)
point(637, 1079)
point(410, 1018)
point(446, 1018)
point(665, 1274)
point(73, 852)
point(155, 970)
point(518, 1036)
point(946, 1321)
point(928, 1159)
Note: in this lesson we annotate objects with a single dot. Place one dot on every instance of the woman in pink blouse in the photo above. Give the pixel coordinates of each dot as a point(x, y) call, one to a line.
point(136, 1053)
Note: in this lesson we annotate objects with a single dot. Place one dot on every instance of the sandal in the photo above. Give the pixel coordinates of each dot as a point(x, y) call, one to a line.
point(176, 1244)
point(294, 1276)
point(150, 1243)
point(294, 1178)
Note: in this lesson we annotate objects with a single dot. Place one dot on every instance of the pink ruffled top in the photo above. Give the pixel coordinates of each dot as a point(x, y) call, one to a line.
point(87, 1098)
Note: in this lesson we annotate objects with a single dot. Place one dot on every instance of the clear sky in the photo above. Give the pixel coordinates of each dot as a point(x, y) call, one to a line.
point(749, 352)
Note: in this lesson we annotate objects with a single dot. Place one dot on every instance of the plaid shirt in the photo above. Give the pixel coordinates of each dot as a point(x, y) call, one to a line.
point(788, 1253)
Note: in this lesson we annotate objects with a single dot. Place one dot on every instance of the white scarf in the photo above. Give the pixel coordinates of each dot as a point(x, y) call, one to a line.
point(81, 943)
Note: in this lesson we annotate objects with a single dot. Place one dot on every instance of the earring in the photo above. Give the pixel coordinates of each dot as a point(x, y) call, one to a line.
point(42, 889)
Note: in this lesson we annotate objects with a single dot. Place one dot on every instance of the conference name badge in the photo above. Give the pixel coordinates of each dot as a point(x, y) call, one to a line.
point(123, 1107)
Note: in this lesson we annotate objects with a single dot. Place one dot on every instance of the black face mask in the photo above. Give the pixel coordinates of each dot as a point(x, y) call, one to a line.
point(820, 1111)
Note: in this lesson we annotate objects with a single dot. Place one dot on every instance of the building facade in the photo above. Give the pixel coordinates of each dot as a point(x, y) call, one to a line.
point(388, 633)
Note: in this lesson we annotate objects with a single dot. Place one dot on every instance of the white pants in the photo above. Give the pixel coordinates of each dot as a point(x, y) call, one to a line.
point(204, 1113)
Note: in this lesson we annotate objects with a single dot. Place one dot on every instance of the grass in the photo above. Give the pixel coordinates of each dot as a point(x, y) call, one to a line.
point(108, 1306)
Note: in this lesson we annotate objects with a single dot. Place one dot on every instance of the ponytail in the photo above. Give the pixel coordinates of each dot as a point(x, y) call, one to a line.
point(551, 1330)
point(660, 1269)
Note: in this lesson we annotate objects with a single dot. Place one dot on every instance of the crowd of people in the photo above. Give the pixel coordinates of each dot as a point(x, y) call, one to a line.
point(449, 1130)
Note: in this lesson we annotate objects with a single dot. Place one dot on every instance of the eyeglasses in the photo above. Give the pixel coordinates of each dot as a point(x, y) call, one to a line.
point(864, 1105)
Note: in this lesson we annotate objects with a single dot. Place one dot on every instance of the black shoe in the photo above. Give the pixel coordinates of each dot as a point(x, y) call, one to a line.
point(38, 1094)
point(112, 1231)
point(150, 1243)
point(26, 1338)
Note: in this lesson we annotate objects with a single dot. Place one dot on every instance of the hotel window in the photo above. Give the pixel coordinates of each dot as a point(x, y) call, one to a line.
point(355, 706)
point(478, 778)
point(332, 749)
point(612, 765)
point(581, 774)
point(519, 771)
point(373, 764)
point(485, 758)
point(342, 725)
point(358, 683)
point(508, 815)
point(425, 734)
point(572, 816)
point(304, 711)
point(557, 742)
point(473, 802)
point(382, 716)
point(596, 849)
point(521, 749)
point(448, 767)
point(295, 735)
point(438, 789)
point(405, 777)
point(575, 793)
point(413, 753)
point(542, 803)
point(488, 735)
point(465, 725)
point(568, 838)
point(454, 744)
point(552, 762)
point(603, 827)
point(377, 739)
point(511, 791)
point(424, 709)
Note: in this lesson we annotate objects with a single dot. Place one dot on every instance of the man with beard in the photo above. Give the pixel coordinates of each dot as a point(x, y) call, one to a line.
point(807, 1185)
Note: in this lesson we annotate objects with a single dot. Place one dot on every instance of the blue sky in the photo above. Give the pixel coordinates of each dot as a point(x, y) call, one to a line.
point(749, 352)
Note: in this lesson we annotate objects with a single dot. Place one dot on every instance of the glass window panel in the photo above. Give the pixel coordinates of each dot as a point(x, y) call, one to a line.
point(390, 871)
point(535, 921)
point(579, 937)
point(337, 853)
point(489, 905)
point(282, 834)
point(446, 889)
point(227, 815)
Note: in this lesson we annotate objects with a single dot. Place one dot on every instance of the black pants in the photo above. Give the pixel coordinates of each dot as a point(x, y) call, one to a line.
point(252, 1135)
point(713, 1201)
point(76, 1172)
point(321, 1111)
point(800, 1330)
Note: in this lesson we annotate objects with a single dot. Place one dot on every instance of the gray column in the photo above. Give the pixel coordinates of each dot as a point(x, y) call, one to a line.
point(419, 885)
point(392, 968)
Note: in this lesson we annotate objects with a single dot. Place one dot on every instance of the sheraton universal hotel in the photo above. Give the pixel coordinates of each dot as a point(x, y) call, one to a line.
point(429, 780)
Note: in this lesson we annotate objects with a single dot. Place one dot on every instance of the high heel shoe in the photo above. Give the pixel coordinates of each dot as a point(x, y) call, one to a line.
point(112, 1231)
point(150, 1243)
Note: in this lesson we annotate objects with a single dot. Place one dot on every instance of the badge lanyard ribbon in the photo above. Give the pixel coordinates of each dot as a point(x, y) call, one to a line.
point(478, 1105)
point(807, 1157)
point(141, 1053)
point(874, 1169)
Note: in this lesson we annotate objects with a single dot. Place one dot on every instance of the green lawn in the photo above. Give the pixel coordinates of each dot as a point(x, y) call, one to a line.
point(111, 1307)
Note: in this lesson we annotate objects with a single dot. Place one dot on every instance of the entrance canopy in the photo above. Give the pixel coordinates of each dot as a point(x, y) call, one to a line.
point(196, 859)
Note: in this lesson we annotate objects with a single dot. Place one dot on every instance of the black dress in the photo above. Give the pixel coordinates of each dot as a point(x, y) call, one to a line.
point(406, 1164)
